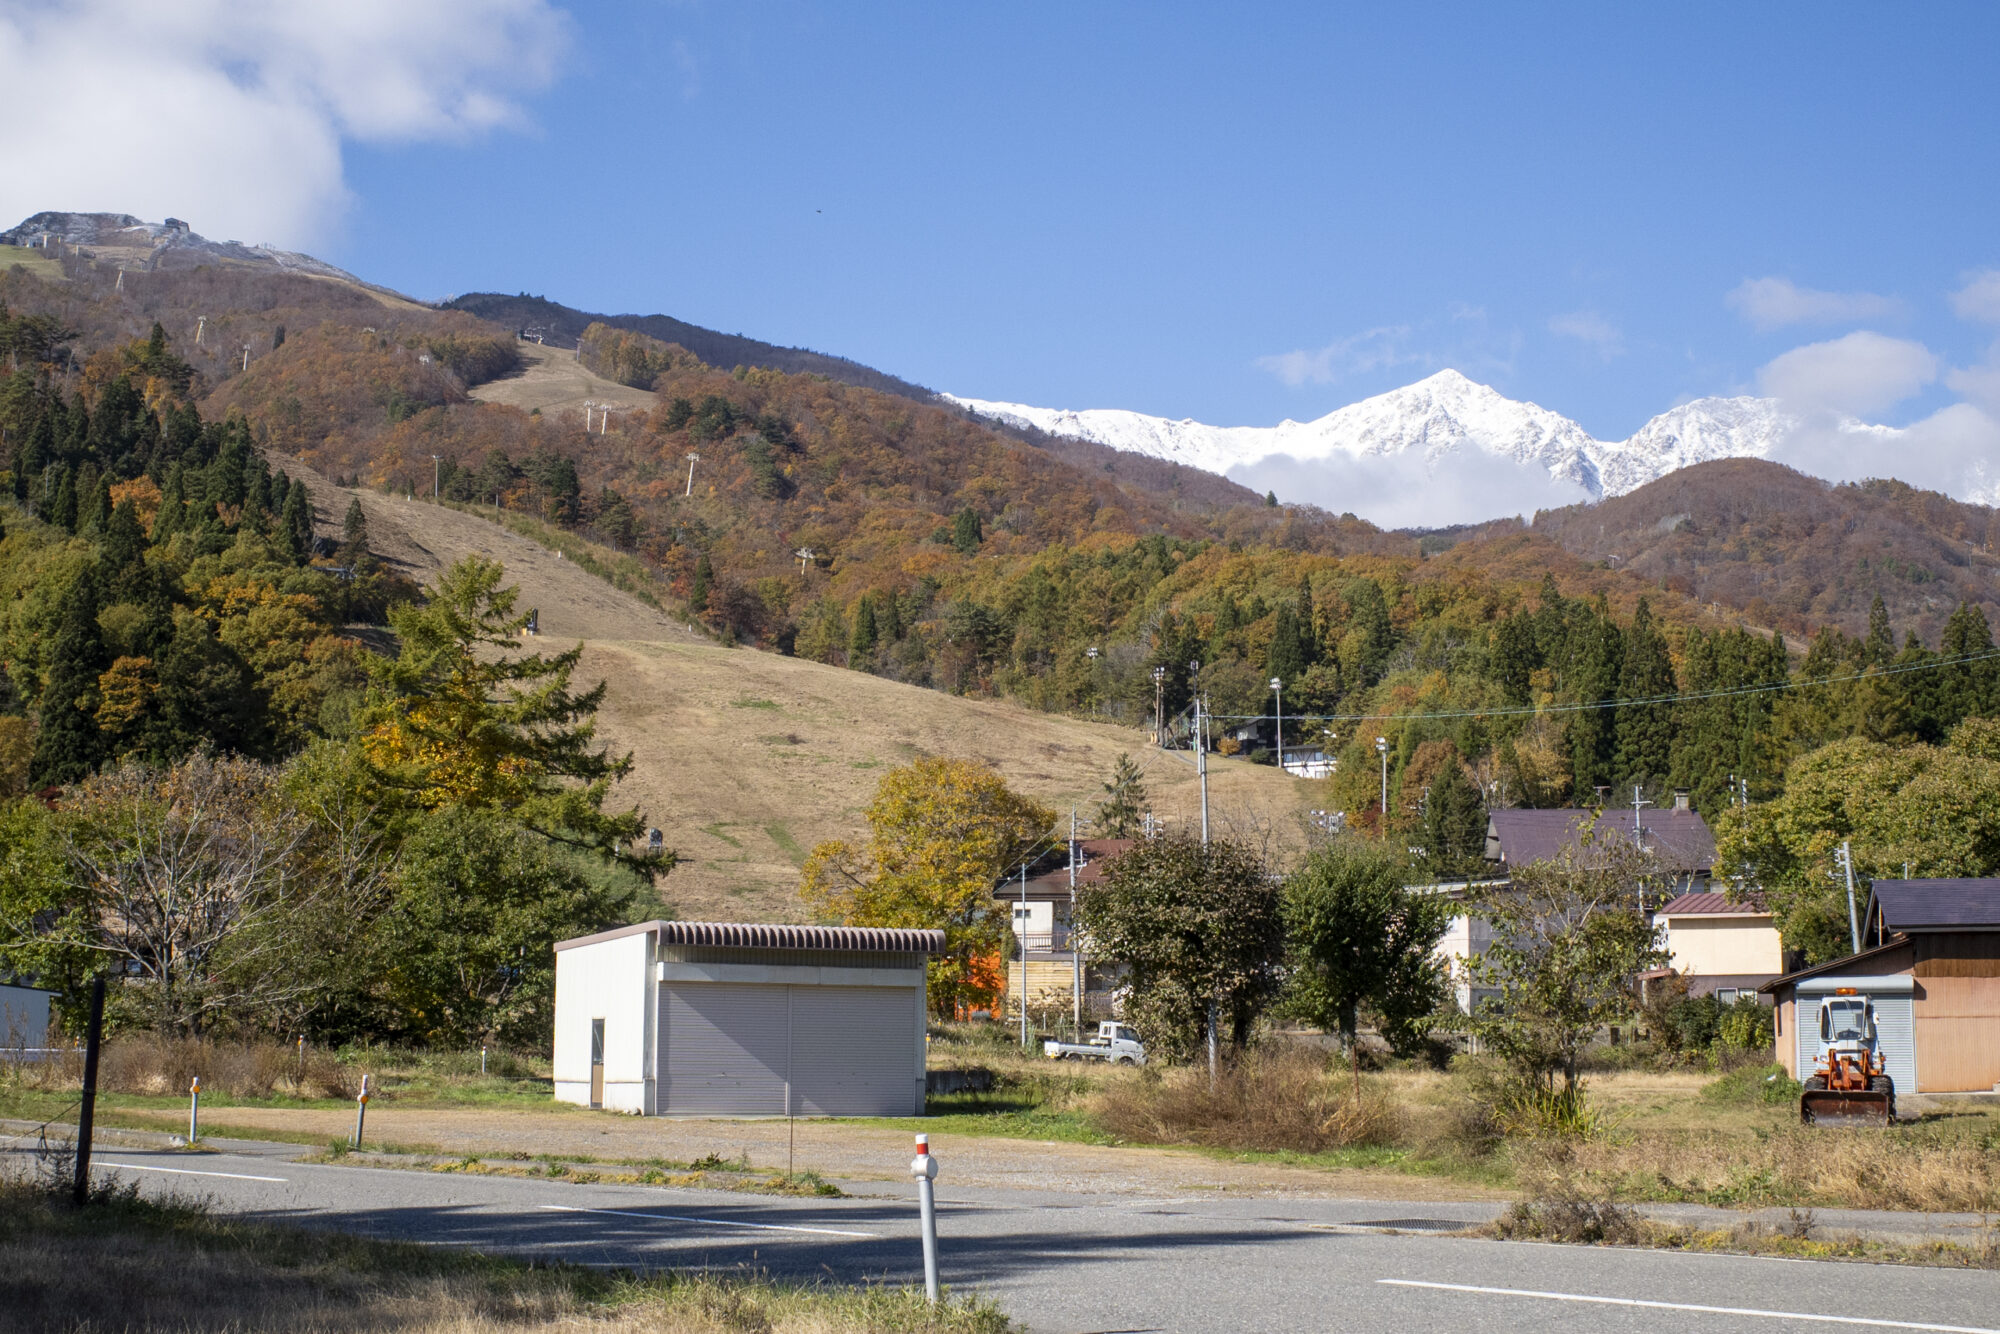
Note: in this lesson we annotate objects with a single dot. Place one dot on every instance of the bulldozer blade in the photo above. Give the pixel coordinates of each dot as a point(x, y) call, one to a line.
point(1828, 1107)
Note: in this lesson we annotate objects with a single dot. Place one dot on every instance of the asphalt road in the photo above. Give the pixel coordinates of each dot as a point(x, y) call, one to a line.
point(1074, 1263)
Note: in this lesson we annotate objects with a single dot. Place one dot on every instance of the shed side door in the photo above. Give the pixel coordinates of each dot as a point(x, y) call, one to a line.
point(854, 1050)
point(722, 1048)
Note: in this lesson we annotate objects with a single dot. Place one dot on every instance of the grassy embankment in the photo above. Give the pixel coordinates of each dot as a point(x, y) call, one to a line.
point(140, 1266)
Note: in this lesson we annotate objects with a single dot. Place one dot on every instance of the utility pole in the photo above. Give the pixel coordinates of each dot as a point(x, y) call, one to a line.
point(805, 555)
point(1021, 927)
point(1853, 919)
point(1200, 744)
point(1278, 695)
point(1382, 749)
point(1159, 706)
point(1077, 955)
point(693, 458)
point(435, 465)
point(246, 356)
point(200, 325)
point(1638, 834)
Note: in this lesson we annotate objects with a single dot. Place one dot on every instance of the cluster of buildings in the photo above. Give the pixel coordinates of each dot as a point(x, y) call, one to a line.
point(689, 1017)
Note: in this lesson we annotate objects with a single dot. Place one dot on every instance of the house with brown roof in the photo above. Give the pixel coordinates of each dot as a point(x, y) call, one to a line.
point(1721, 946)
point(1044, 965)
point(1930, 961)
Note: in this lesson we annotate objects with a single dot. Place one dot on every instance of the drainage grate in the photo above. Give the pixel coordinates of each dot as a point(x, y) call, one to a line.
point(1418, 1224)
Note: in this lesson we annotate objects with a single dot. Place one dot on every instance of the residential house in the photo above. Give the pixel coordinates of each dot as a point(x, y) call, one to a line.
point(1724, 947)
point(1043, 965)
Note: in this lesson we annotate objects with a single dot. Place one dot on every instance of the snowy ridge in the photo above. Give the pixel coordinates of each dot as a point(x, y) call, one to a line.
point(1435, 419)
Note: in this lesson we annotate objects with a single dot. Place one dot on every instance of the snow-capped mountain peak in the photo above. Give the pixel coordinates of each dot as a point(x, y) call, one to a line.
point(1433, 420)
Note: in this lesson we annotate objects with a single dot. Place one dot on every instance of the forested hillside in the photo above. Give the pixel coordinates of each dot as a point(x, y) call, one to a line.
point(809, 516)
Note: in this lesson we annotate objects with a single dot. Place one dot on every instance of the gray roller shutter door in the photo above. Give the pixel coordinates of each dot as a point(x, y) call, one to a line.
point(729, 1048)
point(1895, 1033)
point(723, 1047)
point(854, 1051)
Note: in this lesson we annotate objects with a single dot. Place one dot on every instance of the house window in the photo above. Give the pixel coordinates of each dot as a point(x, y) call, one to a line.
point(1726, 995)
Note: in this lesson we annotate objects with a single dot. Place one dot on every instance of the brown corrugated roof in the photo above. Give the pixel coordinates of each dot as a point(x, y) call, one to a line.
point(1519, 836)
point(1049, 885)
point(1715, 905)
point(1935, 905)
point(777, 936)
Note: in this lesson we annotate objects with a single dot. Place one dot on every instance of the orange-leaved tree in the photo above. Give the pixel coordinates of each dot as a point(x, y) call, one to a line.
point(941, 834)
point(464, 717)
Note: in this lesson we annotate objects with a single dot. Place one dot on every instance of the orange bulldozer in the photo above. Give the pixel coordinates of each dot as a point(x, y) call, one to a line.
point(1849, 1084)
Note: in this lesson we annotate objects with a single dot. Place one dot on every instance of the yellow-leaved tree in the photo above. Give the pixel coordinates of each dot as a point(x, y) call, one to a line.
point(941, 834)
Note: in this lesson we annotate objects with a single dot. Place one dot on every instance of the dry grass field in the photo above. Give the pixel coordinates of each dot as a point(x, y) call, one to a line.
point(553, 380)
point(746, 759)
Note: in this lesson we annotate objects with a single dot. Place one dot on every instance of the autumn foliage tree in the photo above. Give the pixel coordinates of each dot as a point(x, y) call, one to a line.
point(941, 834)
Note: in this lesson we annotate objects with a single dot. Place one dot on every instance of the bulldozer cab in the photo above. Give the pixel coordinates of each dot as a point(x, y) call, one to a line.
point(1846, 1025)
point(1848, 1084)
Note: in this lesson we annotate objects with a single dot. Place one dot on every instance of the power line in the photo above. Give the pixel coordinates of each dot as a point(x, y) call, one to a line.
point(1733, 692)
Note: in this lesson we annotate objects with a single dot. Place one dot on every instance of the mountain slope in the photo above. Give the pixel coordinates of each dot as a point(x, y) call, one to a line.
point(1788, 550)
point(746, 759)
point(562, 326)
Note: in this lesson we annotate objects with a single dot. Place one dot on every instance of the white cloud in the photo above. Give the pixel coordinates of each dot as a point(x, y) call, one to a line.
point(1370, 350)
point(232, 113)
point(1402, 491)
point(1771, 303)
point(1859, 374)
point(1590, 328)
point(1980, 383)
point(1954, 451)
point(1979, 299)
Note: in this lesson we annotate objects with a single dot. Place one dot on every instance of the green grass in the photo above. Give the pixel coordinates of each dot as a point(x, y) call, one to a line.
point(754, 704)
point(786, 843)
point(715, 831)
point(37, 262)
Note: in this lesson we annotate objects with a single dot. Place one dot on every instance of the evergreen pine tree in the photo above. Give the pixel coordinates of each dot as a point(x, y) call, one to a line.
point(354, 534)
point(1596, 649)
point(68, 745)
point(1122, 813)
point(892, 617)
point(1879, 648)
point(295, 523)
point(1454, 824)
point(123, 548)
point(1308, 621)
point(1645, 732)
point(1287, 659)
point(62, 506)
point(1513, 656)
point(1971, 688)
point(1926, 697)
point(1369, 614)
point(206, 695)
point(704, 575)
point(862, 640)
point(966, 533)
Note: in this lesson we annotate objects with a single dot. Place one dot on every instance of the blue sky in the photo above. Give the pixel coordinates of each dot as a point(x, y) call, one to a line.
point(1184, 210)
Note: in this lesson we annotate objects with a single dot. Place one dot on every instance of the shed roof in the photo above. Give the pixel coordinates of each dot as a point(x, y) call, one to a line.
point(776, 936)
point(1519, 836)
point(1935, 905)
point(1878, 954)
point(1715, 904)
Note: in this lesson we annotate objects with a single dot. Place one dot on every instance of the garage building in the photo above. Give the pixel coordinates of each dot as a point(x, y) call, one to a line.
point(707, 1018)
point(1933, 971)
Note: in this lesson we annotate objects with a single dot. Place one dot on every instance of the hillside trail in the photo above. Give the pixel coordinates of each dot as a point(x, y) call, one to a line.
point(746, 759)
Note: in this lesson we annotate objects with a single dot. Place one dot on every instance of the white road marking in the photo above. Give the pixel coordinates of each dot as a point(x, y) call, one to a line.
point(190, 1172)
point(719, 1222)
point(1687, 1306)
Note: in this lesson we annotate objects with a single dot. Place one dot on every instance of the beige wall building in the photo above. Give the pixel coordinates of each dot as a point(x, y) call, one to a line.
point(1719, 946)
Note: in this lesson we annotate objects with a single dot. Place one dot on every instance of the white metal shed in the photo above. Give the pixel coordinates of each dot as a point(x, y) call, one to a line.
point(676, 1018)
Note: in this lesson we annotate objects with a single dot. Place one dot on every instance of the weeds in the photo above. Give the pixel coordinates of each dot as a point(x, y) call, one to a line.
point(1286, 1099)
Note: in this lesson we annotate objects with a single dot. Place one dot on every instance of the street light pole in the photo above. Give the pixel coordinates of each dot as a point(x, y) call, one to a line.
point(1278, 694)
point(1382, 749)
point(1159, 706)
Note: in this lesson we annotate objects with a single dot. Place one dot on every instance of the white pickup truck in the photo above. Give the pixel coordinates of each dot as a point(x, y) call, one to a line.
point(1115, 1042)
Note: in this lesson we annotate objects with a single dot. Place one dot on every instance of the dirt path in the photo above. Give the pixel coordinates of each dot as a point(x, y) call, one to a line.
point(838, 1150)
